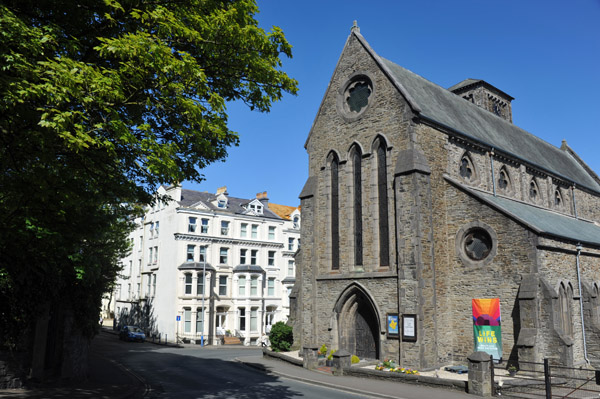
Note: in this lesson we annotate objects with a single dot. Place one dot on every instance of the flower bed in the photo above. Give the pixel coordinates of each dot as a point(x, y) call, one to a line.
point(391, 366)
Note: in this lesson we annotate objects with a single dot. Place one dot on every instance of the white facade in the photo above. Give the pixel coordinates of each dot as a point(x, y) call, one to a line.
point(243, 249)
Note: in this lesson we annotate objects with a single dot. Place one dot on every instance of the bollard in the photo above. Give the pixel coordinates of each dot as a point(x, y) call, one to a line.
point(310, 359)
point(341, 359)
point(480, 382)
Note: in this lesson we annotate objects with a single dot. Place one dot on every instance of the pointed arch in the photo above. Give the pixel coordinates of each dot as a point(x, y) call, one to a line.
point(356, 159)
point(558, 198)
point(466, 168)
point(535, 194)
point(504, 180)
point(380, 150)
point(564, 316)
point(357, 322)
point(333, 162)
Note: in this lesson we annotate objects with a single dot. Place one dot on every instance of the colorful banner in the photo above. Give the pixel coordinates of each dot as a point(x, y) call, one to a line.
point(487, 327)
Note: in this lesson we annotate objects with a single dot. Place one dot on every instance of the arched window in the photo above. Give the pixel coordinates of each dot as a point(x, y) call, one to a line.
point(466, 169)
point(335, 213)
point(558, 201)
point(357, 200)
point(504, 180)
point(534, 191)
point(384, 231)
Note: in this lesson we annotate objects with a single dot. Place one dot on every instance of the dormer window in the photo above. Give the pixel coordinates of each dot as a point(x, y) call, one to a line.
point(258, 209)
point(255, 207)
point(221, 201)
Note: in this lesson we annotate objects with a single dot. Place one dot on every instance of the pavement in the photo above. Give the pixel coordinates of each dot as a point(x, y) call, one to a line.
point(110, 380)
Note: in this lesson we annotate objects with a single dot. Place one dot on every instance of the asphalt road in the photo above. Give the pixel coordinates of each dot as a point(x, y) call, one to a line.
point(207, 373)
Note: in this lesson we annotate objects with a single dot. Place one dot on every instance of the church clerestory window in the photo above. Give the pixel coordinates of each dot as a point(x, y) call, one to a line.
point(466, 168)
point(503, 180)
point(558, 201)
point(533, 191)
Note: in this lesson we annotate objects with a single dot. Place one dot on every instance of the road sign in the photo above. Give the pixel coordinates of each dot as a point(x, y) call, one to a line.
point(178, 318)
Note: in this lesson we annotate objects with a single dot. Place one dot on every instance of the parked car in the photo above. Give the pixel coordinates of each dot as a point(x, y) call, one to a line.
point(132, 333)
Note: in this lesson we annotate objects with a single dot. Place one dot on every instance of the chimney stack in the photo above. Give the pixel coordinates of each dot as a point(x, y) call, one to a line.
point(222, 190)
point(262, 197)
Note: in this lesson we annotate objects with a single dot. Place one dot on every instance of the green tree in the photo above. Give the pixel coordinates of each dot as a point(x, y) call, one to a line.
point(101, 102)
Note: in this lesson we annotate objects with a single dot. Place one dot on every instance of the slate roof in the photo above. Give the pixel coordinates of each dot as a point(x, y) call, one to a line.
point(234, 205)
point(541, 221)
point(445, 108)
point(448, 109)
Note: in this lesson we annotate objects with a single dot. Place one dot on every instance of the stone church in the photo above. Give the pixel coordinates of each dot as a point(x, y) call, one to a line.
point(420, 199)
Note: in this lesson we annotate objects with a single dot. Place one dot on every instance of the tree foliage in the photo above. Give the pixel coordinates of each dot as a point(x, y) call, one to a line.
point(101, 102)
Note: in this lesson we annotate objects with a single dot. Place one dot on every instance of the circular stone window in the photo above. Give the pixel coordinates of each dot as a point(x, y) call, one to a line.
point(476, 244)
point(354, 96)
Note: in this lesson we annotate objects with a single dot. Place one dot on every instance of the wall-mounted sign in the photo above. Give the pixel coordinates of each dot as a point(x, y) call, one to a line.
point(409, 327)
point(393, 325)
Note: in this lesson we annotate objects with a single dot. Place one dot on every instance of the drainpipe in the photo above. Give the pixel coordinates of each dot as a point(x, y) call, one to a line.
point(574, 203)
point(579, 248)
point(493, 177)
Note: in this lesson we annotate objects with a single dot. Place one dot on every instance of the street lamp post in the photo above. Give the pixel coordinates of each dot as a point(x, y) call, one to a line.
point(203, 295)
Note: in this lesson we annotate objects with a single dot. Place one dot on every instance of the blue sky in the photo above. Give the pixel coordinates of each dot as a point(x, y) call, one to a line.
point(545, 54)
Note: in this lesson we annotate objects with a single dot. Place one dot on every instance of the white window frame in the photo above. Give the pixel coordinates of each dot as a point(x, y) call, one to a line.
point(192, 224)
point(224, 227)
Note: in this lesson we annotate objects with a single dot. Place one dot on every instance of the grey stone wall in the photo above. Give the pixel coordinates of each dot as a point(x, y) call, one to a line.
point(426, 275)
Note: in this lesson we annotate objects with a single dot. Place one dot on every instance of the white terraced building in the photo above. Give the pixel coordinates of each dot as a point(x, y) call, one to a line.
point(205, 264)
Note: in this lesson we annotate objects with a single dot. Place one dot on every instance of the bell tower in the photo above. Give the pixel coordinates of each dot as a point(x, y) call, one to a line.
point(485, 96)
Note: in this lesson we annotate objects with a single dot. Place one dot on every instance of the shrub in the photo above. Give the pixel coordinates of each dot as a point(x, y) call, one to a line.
point(323, 350)
point(354, 359)
point(281, 337)
point(330, 357)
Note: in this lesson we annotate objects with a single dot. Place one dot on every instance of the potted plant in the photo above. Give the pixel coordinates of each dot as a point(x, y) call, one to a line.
point(322, 352)
point(329, 361)
point(512, 370)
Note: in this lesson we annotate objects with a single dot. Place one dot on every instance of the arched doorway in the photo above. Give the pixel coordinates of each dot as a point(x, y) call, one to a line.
point(357, 323)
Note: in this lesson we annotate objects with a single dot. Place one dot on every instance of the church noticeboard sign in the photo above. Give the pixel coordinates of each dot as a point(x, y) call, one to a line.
point(487, 327)
point(392, 325)
point(409, 327)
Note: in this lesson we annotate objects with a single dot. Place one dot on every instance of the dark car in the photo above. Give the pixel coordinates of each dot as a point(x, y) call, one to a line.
point(132, 333)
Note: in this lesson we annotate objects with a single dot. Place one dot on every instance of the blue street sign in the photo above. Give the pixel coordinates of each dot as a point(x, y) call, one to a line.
point(178, 318)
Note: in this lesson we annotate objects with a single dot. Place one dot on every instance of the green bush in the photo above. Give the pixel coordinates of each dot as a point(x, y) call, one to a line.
point(330, 357)
point(323, 350)
point(281, 337)
point(354, 359)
